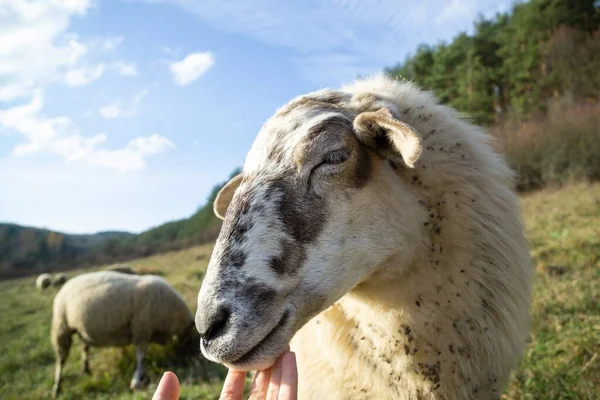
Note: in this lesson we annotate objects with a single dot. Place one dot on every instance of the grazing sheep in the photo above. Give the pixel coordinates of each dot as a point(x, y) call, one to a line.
point(380, 232)
point(43, 281)
point(59, 280)
point(107, 308)
point(123, 268)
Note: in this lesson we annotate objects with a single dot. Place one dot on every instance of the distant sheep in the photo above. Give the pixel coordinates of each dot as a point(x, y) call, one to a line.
point(123, 268)
point(43, 281)
point(59, 280)
point(111, 309)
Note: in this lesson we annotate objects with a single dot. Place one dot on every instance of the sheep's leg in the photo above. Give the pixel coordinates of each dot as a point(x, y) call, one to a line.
point(85, 359)
point(62, 345)
point(138, 375)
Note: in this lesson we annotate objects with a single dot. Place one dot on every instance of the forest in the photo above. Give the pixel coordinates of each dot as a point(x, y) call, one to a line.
point(531, 77)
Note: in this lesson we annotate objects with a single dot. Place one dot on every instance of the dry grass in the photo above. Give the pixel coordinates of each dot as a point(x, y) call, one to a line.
point(563, 358)
point(562, 361)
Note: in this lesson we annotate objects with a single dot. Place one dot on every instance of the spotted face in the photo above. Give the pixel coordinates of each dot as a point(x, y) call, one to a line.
point(306, 221)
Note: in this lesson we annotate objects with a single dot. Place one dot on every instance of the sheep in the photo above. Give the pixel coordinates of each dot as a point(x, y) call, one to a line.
point(59, 280)
point(123, 268)
point(378, 233)
point(107, 308)
point(43, 281)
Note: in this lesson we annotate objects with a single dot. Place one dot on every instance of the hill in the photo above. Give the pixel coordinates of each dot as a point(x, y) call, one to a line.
point(561, 361)
point(27, 250)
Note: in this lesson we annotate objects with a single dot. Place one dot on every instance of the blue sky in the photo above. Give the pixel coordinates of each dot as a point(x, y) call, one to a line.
point(123, 114)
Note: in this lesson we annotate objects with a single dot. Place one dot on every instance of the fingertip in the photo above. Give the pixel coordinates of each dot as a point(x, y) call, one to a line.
point(289, 380)
point(168, 387)
point(289, 358)
point(170, 375)
point(233, 387)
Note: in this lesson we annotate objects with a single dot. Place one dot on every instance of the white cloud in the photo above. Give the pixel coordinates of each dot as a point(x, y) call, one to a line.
point(112, 43)
point(88, 74)
point(84, 75)
point(116, 109)
point(125, 69)
point(58, 135)
point(149, 145)
point(192, 67)
point(36, 46)
point(110, 111)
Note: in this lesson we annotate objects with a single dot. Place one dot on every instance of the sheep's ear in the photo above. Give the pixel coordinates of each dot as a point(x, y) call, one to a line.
point(225, 195)
point(380, 130)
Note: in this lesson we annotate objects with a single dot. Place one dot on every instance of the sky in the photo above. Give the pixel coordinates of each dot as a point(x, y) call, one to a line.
point(123, 114)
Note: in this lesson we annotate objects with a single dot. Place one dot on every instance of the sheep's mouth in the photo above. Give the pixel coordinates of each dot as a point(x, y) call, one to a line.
point(253, 352)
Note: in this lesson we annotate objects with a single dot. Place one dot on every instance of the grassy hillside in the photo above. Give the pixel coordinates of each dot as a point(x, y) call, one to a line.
point(27, 362)
point(562, 361)
point(27, 250)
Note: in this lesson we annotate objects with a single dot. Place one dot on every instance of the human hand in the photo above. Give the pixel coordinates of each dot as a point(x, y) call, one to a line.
point(280, 382)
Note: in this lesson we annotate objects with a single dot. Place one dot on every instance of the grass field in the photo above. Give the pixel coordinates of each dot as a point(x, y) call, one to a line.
point(562, 360)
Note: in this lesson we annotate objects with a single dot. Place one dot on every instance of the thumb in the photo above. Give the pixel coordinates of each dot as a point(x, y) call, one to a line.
point(168, 387)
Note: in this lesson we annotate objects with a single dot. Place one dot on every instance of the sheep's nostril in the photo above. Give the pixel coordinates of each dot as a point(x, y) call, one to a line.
point(211, 325)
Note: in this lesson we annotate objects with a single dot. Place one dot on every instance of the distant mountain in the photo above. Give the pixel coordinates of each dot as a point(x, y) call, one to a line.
point(27, 250)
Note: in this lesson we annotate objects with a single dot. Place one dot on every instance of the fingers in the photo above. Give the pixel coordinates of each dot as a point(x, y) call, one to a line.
point(278, 382)
point(275, 382)
point(288, 389)
point(233, 388)
point(260, 385)
point(168, 387)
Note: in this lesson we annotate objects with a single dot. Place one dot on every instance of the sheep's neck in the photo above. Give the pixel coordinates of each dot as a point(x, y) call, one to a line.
point(396, 329)
point(421, 325)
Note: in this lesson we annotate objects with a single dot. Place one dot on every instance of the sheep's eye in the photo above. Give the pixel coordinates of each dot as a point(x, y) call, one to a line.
point(336, 157)
point(332, 158)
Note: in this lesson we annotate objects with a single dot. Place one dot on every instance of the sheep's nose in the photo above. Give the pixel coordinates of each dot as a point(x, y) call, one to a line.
point(212, 323)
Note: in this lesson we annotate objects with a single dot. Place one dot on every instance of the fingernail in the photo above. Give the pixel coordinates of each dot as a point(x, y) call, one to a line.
point(290, 356)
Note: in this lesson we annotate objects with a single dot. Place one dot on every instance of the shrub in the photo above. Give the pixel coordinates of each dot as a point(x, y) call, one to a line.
point(562, 147)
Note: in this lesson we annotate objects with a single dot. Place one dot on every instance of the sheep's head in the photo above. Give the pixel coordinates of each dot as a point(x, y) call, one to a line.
point(318, 208)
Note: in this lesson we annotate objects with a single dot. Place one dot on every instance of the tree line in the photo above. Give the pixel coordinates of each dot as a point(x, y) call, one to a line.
point(532, 77)
point(515, 62)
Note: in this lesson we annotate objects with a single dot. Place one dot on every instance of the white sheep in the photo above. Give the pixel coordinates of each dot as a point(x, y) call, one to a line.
point(59, 279)
point(43, 281)
point(108, 308)
point(380, 231)
point(123, 268)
